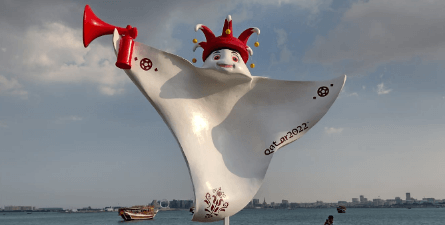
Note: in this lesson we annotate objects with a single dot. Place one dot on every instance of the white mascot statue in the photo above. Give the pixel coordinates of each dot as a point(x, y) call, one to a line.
point(228, 123)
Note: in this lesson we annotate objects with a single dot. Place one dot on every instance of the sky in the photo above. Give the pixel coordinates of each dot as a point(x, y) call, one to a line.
point(76, 132)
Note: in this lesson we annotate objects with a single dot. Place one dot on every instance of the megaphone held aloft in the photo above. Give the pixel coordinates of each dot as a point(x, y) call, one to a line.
point(93, 27)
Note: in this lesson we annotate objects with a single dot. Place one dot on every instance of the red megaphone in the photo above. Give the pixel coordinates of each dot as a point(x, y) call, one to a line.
point(93, 27)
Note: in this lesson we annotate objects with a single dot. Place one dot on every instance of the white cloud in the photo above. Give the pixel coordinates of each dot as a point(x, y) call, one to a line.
point(12, 87)
point(347, 94)
point(66, 119)
point(333, 130)
point(352, 94)
point(382, 90)
point(314, 7)
point(3, 49)
point(372, 33)
point(58, 53)
point(110, 91)
point(281, 37)
point(3, 125)
point(285, 53)
point(54, 53)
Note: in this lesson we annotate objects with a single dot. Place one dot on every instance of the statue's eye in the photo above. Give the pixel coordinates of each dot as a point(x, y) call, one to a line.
point(216, 57)
point(235, 59)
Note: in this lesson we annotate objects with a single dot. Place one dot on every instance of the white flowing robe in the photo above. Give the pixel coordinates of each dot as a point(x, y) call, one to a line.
point(228, 126)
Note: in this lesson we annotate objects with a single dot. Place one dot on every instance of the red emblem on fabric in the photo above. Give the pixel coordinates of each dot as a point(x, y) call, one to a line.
point(215, 203)
point(146, 64)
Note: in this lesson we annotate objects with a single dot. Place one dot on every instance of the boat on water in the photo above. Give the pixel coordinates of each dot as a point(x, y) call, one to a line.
point(138, 212)
point(341, 209)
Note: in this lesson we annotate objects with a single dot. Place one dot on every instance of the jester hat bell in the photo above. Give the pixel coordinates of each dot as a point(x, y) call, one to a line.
point(226, 40)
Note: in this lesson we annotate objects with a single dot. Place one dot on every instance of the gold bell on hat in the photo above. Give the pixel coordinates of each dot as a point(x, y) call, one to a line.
point(252, 65)
point(195, 40)
point(194, 60)
point(228, 31)
point(257, 44)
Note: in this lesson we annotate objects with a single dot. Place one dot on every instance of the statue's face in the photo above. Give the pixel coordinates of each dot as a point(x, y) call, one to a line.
point(226, 60)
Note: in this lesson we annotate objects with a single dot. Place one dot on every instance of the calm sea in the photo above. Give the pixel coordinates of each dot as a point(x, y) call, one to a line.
point(353, 216)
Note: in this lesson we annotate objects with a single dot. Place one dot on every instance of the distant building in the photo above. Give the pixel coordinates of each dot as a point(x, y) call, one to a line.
point(398, 200)
point(362, 198)
point(294, 205)
point(181, 204)
point(378, 202)
point(355, 200)
point(84, 209)
point(164, 203)
point(264, 203)
point(274, 205)
point(109, 209)
point(19, 208)
point(390, 202)
point(343, 203)
point(285, 203)
point(156, 203)
point(429, 200)
point(53, 209)
point(408, 196)
point(256, 203)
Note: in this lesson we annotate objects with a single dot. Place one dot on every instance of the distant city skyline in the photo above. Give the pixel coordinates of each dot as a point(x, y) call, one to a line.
point(360, 199)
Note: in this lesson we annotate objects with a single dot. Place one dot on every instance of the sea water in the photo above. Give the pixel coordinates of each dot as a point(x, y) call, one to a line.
point(353, 216)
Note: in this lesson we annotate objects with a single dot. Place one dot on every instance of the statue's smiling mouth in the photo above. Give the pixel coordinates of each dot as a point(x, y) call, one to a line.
point(225, 65)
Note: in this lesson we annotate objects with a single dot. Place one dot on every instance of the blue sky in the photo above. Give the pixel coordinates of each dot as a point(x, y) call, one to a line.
point(76, 132)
